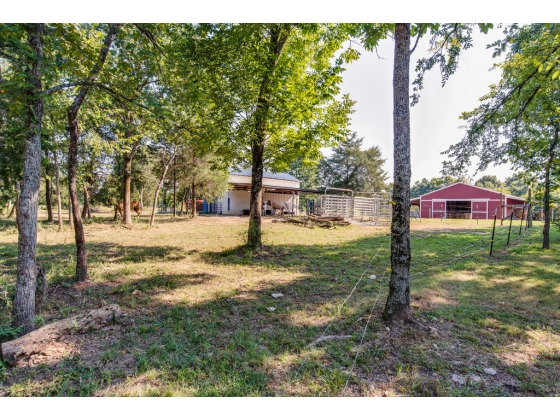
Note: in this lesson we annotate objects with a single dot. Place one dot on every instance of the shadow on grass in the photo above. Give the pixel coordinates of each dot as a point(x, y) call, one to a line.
point(233, 345)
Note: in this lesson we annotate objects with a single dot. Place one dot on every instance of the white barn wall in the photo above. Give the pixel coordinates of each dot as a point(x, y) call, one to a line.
point(242, 179)
point(239, 200)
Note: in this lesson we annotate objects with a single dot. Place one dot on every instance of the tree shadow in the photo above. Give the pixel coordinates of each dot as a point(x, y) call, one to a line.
point(233, 344)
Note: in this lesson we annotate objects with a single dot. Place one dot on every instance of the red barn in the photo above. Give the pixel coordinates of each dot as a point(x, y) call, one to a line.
point(462, 201)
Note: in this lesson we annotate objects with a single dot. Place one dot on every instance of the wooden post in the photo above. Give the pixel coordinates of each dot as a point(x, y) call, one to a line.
point(501, 209)
point(521, 225)
point(510, 223)
point(493, 230)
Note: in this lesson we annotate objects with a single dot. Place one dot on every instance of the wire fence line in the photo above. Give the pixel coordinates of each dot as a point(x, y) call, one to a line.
point(482, 245)
point(332, 321)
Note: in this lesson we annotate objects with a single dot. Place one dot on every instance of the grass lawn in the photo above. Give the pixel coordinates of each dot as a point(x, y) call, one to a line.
point(199, 318)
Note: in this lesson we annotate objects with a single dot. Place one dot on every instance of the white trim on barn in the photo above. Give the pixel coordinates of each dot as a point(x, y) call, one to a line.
point(280, 187)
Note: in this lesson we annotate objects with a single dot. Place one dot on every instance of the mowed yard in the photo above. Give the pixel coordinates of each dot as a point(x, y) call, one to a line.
point(200, 319)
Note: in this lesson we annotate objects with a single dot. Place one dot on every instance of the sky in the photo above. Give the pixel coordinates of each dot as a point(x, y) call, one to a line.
point(435, 123)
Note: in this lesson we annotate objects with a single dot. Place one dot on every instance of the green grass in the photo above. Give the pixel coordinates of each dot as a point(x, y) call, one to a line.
point(197, 322)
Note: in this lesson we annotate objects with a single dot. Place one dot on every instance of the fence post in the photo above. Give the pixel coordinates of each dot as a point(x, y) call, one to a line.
point(501, 209)
point(493, 230)
point(522, 215)
point(510, 222)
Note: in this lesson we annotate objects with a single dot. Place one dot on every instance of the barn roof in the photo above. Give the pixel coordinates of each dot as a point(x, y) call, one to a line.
point(248, 172)
point(472, 186)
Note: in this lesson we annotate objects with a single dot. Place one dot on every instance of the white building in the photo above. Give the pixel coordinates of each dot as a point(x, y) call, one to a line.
point(280, 187)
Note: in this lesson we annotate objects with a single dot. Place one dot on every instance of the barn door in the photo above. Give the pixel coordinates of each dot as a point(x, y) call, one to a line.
point(438, 209)
point(479, 210)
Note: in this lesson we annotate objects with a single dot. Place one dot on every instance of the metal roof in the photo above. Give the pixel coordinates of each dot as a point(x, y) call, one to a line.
point(248, 172)
point(473, 186)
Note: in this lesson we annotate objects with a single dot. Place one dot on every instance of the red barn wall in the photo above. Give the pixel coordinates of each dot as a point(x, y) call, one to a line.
point(488, 202)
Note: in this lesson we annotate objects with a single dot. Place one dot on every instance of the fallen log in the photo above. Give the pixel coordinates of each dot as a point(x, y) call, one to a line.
point(22, 349)
point(326, 218)
point(329, 338)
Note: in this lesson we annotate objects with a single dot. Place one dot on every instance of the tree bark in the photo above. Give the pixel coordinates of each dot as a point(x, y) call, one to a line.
point(193, 186)
point(9, 208)
point(127, 213)
point(160, 185)
point(73, 128)
point(175, 188)
point(14, 207)
point(45, 341)
point(70, 218)
point(278, 37)
point(48, 196)
point(398, 301)
point(548, 167)
point(58, 198)
point(86, 213)
point(24, 302)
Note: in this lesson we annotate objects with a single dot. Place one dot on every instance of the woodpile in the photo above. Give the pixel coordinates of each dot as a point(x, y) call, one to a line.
point(328, 222)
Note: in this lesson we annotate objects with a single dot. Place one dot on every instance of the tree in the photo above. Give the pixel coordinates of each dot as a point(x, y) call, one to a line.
point(491, 182)
point(32, 53)
point(351, 167)
point(282, 82)
point(74, 132)
point(447, 42)
point(517, 185)
point(518, 120)
point(426, 186)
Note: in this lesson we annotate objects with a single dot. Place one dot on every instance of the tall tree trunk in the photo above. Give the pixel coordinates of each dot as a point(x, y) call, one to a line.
point(48, 196)
point(73, 128)
point(13, 210)
point(24, 302)
point(548, 167)
point(70, 218)
point(175, 188)
point(141, 193)
point(254, 240)
point(127, 213)
point(160, 185)
point(398, 301)
point(58, 198)
point(85, 210)
point(183, 202)
point(278, 37)
point(9, 208)
point(193, 186)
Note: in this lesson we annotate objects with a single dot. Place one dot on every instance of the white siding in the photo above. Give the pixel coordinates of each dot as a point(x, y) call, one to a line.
point(242, 179)
point(239, 201)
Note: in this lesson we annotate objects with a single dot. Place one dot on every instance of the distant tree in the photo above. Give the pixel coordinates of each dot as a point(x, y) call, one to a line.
point(518, 121)
point(306, 172)
point(426, 186)
point(492, 182)
point(517, 185)
point(351, 167)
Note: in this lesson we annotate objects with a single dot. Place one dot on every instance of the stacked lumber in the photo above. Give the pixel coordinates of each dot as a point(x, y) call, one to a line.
point(329, 222)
